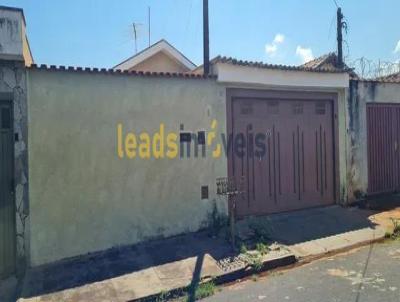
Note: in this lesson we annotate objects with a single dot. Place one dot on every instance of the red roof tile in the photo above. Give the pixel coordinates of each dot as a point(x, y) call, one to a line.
point(311, 68)
point(187, 75)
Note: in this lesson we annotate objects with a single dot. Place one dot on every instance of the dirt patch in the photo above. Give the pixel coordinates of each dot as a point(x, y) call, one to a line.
point(385, 218)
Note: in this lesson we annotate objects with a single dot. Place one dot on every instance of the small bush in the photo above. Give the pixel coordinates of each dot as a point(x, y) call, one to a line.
point(396, 228)
point(243, 248)
point(204, 290)
point(262, 248)
point(388, 235)
point(395, 235)
point(257, 264)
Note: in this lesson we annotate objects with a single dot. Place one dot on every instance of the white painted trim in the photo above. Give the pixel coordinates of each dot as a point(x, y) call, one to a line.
point(161, 46)
point(246, 75)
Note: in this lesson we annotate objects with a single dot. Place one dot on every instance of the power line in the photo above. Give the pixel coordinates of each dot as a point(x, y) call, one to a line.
point(331, 26)
point(188, 22)
point(149, 24)
point(337, 6)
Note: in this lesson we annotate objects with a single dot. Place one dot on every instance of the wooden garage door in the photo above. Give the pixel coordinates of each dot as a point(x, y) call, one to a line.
point(383, 128)
point(7, 207)
point(297, 169)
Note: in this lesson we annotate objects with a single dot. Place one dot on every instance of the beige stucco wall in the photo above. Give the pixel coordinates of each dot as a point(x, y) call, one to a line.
point(291, 79)
point(26, 51)
point(160, 62)
point(361, 93)
point(83, 197)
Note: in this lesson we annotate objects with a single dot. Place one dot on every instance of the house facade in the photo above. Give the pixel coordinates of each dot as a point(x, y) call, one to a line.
point(15, 55)
point(159, 57)
point(119, 156)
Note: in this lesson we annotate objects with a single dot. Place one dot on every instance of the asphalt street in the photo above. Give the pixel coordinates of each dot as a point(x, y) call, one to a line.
point(369, 274)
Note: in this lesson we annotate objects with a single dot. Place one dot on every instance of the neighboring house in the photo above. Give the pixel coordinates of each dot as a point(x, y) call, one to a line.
point(329, 62)
point(14, 43)
point(324, 63)
point(159, 57)
point(94, 183)
point(15, 54)
point(92, 189)
point(394, 77)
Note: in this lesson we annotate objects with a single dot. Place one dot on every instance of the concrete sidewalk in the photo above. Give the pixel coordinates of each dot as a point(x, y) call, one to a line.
point(8, 289)
point(315, 232)
point(149, 269)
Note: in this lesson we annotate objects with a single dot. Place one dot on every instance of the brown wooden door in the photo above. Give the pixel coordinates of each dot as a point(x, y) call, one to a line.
point(297, 169)
point(383, 128)
point(7, 207)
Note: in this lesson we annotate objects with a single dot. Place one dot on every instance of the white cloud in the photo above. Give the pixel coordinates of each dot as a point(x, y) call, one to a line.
point(272, 48)
point(279, 38)
point(304, 53)
point(397, 48)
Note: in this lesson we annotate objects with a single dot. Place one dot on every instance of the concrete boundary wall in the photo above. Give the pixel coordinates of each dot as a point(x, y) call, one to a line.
point(13, 88)
point(85, 194)
point(361, 93)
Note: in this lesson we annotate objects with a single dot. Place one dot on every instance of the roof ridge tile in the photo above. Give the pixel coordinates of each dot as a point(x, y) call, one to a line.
point(80, 69)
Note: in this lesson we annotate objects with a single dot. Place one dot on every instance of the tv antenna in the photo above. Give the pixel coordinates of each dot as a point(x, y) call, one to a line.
point(135, 26)
point(149, 24)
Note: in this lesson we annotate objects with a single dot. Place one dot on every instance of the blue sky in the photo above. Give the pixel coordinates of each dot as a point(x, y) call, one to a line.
point(99, 32)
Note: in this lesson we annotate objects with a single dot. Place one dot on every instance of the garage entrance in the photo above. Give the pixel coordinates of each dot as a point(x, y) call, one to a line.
point(383, 126)
point(297, 170)
point(7, 206)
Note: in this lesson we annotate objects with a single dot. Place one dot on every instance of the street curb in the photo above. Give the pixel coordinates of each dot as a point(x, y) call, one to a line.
point(289, 260)
point(247, 271)
point(224, 278)
point(276, 263)
point(308, 259)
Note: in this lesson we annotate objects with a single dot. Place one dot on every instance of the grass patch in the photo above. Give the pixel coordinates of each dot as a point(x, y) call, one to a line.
point(262, 248)
point(254, 256)
point(243, 248)
point(202, 291)
point(257, 264)
point(395, 235)
point(388, 235)
point(188, 294)
point(396, 228)
point(162, 297)
point(254, 260)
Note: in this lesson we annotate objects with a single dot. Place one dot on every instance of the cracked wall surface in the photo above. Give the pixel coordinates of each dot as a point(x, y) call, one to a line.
point(13, 88)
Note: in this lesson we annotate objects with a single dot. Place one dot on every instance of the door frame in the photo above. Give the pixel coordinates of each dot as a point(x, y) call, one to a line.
point(8, 98)
point(235, 93)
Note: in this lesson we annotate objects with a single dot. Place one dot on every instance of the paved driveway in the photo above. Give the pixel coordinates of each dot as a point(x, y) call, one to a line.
point(370, 274)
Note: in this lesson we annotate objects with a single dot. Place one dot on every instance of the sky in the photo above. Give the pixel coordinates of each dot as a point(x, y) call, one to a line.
point(99, 33)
